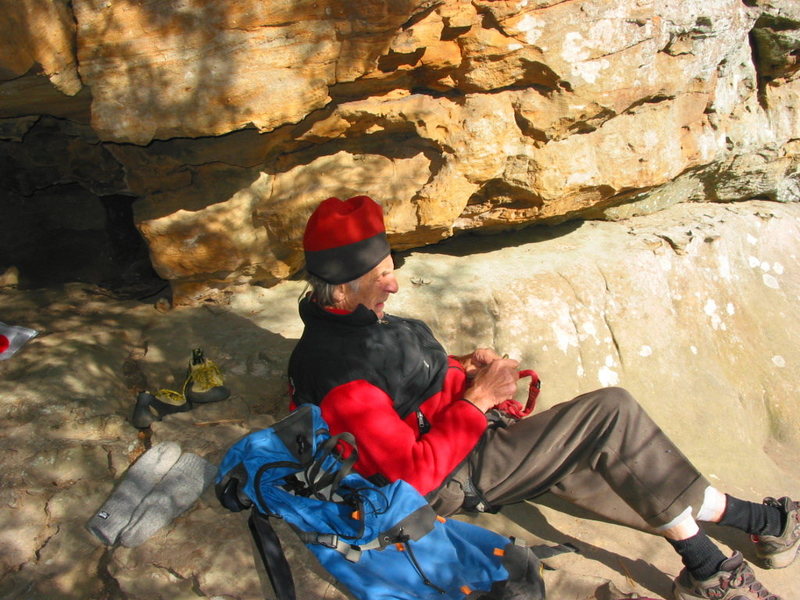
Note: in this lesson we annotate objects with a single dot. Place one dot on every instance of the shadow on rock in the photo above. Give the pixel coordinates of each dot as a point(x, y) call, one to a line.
point(640, 571)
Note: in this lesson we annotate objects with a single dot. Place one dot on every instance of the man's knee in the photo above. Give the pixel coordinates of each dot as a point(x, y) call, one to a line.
point(616, 400)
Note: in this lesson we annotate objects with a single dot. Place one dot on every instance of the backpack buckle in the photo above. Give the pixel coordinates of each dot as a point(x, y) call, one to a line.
point(329, 540)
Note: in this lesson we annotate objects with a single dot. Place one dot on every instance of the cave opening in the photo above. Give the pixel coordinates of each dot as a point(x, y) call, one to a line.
point(64, 233)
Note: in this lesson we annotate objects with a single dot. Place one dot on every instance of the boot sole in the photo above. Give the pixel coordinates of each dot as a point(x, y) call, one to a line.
point(215, 394)
point(780, 560)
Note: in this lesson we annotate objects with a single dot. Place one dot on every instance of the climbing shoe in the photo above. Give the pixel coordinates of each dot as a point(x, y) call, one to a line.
point(778, 551)
point(204, 381)
point(151, 408)
point(734, 581)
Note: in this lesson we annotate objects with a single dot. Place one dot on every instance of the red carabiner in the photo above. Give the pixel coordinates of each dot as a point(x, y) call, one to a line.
point(514, 408)
point(533, 390)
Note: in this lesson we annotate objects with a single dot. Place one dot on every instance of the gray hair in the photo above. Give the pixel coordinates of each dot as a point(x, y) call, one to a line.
point(323, 291)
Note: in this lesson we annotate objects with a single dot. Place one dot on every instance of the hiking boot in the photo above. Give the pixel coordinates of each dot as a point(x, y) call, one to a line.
point(778, 551)
point(204, 382)
point(734, 581)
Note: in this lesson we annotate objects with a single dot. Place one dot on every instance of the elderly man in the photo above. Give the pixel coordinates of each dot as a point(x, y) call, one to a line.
point(430, 419)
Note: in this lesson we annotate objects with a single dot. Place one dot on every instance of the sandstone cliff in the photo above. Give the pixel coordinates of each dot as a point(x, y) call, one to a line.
point(215, 127)
point(225, 123)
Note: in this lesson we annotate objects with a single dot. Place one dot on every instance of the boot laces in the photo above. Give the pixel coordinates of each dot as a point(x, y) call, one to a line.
point(742, 578)
point(206, 375)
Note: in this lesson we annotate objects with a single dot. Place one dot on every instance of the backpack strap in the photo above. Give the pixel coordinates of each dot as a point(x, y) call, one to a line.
point(412, 527)
point(317, 478)
point(297, 432)
point(271, 552)
point(333, 541)
point(229, 489)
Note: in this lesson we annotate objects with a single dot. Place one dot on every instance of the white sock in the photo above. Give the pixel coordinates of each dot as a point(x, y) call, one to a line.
point(177, 491)
point(684, 516)
point(714, 503)
point(137, 482)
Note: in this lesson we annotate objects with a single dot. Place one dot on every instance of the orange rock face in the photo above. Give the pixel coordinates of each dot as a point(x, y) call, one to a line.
point(232, 120)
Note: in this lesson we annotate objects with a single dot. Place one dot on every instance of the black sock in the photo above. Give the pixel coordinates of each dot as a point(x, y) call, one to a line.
point(756, 519)
point(700, 555)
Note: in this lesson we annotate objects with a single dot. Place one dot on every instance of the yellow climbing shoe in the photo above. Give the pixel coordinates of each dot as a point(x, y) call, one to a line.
point(204, 382)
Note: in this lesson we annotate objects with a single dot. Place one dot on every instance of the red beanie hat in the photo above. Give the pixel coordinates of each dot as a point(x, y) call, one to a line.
point(345, 239)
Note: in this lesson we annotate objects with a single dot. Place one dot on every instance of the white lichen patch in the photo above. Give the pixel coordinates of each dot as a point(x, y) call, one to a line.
point(576, 51)
point(607, 376)
point(564, 338)
point(645, 351)
point(590, 70)
point(577, 178)
point(710, 308)
point(574, 48)
point(564, 331)
point(770, 281)
point(778, 361)
point(532, 27)
point(588, 330)
point(724, 267)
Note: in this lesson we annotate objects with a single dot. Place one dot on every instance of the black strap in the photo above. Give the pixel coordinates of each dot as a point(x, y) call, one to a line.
point(318, 482)
point(474, 500)
point(275, 563)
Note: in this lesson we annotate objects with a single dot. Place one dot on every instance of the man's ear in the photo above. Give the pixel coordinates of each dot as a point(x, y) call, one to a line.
point(339, 294)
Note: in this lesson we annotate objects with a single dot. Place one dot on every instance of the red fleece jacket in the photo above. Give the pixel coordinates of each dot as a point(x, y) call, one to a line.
point(393, 446)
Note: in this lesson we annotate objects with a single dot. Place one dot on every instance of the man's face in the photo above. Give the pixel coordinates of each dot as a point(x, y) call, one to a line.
point(373, 288)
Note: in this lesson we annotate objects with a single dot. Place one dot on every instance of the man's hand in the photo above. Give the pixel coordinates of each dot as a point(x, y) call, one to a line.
point(481, 357)
point(494, 383)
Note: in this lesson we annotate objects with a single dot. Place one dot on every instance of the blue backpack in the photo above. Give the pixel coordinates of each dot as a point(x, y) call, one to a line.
point(380, 542)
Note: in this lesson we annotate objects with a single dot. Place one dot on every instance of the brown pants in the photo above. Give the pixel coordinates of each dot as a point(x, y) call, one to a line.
point(600, 451)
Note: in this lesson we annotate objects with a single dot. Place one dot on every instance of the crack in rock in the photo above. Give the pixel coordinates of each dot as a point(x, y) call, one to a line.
point(193, 579)
point(47, 525)
point(112, 588)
